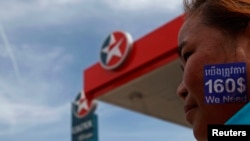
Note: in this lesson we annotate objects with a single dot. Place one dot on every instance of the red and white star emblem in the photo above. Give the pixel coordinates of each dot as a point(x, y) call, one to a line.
point(115, 50)
point(82, 105)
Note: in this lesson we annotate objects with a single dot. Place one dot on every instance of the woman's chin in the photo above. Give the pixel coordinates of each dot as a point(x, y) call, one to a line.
point(200, 129)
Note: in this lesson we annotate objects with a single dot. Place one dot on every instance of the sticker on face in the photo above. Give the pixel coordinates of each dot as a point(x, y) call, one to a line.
point(225, 83)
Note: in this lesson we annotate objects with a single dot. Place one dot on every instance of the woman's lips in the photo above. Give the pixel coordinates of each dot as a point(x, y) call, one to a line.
point(190, 110)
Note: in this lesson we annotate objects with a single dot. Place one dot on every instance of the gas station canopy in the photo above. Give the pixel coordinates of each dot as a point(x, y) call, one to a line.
point(146, 76)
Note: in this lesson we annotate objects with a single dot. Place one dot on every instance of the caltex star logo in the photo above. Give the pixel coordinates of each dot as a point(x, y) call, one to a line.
point(115, 50)
point(82, 105)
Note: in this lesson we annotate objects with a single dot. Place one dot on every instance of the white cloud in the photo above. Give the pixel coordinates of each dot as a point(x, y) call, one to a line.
point(19, 116)
point(53, 12)
point(49, 3)
point(27, 103)
point(36, 11)
point(138, 5)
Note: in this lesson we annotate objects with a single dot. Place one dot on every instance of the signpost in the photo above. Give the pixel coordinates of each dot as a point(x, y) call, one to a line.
point(84, 120)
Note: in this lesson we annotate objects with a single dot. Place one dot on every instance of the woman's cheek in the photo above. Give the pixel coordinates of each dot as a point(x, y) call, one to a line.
point(194, 80)
point(193, 73)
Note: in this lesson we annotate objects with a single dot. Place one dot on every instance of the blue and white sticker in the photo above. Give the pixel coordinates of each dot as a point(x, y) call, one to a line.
point(225, 83)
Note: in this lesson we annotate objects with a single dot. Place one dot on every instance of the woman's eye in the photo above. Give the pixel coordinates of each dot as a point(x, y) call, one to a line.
point(186, 55)
point(182, 68)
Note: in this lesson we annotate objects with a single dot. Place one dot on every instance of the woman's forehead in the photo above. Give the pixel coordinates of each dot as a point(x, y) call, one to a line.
point(190, 26)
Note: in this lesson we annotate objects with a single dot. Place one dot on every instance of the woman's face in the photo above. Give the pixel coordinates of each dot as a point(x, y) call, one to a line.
point(200, 45)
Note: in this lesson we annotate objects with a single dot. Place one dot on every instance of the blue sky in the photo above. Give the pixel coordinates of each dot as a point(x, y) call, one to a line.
point(44, 47)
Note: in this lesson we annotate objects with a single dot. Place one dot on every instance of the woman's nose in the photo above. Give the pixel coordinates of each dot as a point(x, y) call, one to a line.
point(182, 91)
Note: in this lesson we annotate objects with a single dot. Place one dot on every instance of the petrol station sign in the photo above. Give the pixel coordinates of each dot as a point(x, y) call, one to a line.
point(84, 119)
